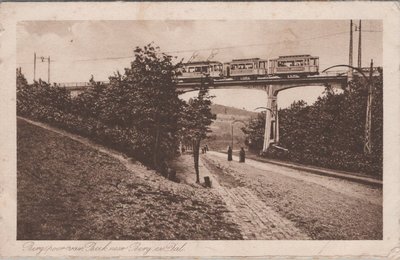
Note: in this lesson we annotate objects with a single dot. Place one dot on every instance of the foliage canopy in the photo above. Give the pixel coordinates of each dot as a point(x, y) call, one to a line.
point(329, 133)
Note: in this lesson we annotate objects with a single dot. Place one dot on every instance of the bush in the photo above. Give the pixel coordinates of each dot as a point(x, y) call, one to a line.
point(329, 133)
point(137, 113)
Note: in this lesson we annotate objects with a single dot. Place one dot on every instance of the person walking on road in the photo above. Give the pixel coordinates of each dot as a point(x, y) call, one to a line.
point(229, 153)
point(242, 155)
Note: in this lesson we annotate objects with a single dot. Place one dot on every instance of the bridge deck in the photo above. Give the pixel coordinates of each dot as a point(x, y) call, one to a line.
point(230, 83)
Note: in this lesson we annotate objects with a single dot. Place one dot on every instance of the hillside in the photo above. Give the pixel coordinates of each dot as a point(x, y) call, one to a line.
point(72, 189)
point(221, 136)
point(225, 110)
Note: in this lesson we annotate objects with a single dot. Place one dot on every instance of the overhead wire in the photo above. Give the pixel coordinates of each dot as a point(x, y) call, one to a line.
point(208, 49)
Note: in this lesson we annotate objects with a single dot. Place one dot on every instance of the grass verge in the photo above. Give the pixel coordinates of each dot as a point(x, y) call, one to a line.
point(69, 191)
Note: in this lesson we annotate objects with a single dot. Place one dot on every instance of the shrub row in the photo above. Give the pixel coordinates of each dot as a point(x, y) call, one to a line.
point(330, 132)
point(54, 106)
point(125, 140)
point(345, 162)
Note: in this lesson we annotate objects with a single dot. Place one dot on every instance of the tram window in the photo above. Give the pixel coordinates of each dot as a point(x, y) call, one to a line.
point(205, 69)
point(192, 69)
point(197, 69)
point(249, 66)
point(233, 67)
point(289, 63)
point(299, 63)
point(262, 64)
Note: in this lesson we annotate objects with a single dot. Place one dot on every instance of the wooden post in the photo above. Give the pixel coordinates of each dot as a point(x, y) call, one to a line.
point(368, 119)
point(34, 66)
point(359, 46)
point(48, 70)
point(268, 116)
point(276, 122)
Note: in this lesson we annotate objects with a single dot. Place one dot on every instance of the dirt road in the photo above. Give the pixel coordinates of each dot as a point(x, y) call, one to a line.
point(275, 202)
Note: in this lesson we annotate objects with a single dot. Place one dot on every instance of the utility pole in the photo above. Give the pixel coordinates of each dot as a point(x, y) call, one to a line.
point(368, 119)
point(370, 89)
point(232, 135)
point(233, 122)
point(359, 45)
point(48, 70)
point(48, 66)
point(34, 66)
point(351, 44)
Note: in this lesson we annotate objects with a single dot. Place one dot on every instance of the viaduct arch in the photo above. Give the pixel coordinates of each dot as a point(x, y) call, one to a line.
point(271, 133)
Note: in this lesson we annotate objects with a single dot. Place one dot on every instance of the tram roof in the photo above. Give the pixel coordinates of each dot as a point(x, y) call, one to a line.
point(245, 60)
point(288, 57)
point(202, 63)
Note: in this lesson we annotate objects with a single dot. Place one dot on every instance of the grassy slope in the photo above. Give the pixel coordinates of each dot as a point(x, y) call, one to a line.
point(67, 190)
point(220, 137)
point(221, 109)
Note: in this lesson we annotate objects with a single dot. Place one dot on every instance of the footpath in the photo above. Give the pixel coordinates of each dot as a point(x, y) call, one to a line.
point(256, 220)
point(356, 177)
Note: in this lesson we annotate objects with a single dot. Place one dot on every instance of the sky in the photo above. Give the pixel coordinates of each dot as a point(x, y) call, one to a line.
point(79, 49)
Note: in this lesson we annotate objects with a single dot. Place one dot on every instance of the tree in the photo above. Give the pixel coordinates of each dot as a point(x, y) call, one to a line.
point(91, 102)
point(145, 98)
point(195, 122)
point(330, 133)
point(22, 92)
point(142, 102)
point(136, 113)
point(254, 131)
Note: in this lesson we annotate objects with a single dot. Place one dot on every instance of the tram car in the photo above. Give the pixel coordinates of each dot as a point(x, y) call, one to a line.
point(194, 71)
point(242, 69)
point(246, 68)
point(295, 65)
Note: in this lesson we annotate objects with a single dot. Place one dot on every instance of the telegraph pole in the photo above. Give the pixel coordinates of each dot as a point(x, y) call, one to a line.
point(48, 70)
point(48, 66)
point(351, 44)
point(368, 119)
point(359, 45)
point(34, 66)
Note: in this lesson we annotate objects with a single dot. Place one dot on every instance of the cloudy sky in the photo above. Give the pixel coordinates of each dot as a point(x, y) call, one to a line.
point(79, 49)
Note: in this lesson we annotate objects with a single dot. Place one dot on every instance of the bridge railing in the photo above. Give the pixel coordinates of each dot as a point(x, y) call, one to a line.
point(77, 84)
point(334, 73)
point(375, 71)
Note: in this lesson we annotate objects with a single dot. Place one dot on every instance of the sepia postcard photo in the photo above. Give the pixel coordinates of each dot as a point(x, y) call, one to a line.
point(200, 130)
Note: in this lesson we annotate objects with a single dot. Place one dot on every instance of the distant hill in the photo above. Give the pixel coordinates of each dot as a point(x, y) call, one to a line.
point(225, 110)
point(221, 135)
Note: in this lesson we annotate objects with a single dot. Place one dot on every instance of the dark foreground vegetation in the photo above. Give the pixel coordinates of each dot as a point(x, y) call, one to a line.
point(67, 191)
point(139, 113)
point(329, 133)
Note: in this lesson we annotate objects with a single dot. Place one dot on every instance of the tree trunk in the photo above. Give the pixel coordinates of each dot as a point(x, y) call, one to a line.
point(156, 143)
point(196, 153)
